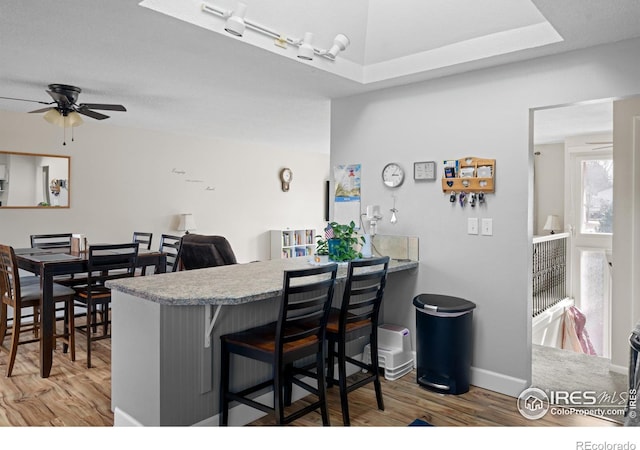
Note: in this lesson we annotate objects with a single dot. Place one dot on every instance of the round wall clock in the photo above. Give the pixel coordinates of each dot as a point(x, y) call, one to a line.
point(286, 175)
point(392, 175)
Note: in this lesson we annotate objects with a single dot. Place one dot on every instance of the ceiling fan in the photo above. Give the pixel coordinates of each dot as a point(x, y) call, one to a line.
point(66, 111)
point(65, 97)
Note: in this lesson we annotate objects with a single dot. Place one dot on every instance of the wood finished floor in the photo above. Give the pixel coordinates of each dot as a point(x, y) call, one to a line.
point(76, 396)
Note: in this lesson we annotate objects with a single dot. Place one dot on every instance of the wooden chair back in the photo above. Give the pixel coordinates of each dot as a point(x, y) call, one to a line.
point(111, 261)
point(9, 278)
point(143, 238)
point(60, 241)
point(363, 293)
point(170, 245)
point(304, 309)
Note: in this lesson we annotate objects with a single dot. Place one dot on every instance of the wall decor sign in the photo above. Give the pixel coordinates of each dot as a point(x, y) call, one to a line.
point(347, 193)
point(424, 170)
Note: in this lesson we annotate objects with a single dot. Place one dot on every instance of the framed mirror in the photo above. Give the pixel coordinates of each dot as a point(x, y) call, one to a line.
point(34, 180)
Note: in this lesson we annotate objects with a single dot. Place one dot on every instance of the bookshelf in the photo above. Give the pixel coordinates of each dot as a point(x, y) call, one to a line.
point(292, 243)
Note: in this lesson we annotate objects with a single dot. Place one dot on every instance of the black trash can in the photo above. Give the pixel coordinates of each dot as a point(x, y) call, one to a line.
point(443, 342)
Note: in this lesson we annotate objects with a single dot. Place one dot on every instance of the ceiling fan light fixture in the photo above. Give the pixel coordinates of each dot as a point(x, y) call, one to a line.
point(340, 43)
point(55, 117)
point(305, 51)
point(73, 119)
point(235, 24)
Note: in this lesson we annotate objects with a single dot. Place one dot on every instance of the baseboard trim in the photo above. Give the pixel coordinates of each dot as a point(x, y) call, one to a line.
point(498, 382)
point(122, 419)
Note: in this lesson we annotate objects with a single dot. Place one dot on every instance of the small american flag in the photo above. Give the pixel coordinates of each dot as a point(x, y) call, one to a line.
point(328, 232)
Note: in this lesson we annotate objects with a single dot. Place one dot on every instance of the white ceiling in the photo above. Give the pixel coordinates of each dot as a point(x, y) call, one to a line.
point(198, 80)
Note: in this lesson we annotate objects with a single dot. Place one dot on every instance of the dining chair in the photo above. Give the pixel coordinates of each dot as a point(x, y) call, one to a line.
point(143, 238)
point(297, 335)
point(200, 251)
point(145, 243)
point(21, 296)
point(104, 263)
point(170, 245)
point(358, 314)
point(60, 241)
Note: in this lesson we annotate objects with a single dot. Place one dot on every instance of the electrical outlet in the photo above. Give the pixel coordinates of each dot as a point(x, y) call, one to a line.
point(472, 225)
point(487, 227)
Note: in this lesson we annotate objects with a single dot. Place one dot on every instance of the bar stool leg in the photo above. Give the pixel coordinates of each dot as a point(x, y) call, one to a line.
point(331, 348)
point(322, 389)
point(225, 360)
point(376, 371)
point(342, 381)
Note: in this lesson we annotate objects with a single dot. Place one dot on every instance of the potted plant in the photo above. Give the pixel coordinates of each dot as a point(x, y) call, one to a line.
point(321, 254)
point(345, 244)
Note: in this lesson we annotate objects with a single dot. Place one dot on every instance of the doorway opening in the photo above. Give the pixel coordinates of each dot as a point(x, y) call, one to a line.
point(573, 198)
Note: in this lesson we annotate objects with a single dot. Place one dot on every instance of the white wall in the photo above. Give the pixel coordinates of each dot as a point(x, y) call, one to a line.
point(548, 173)
point(124, 180)
point(485, 114)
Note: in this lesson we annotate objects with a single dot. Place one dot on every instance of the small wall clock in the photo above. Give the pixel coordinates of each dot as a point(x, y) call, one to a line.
point(424, 170)
point(392, 175)
point(286, 175)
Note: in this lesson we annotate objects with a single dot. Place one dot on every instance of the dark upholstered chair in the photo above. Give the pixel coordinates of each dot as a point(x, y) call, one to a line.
point(297, 335)
point(20, 296)
point(199, 251)
point(357, 315)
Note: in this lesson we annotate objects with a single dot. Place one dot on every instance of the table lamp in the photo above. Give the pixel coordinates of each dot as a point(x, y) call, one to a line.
point(187, 223)
point(553, 223)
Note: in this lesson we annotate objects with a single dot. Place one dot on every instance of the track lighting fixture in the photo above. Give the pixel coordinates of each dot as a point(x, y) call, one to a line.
point(305, 51)
point(236, 24)
point(340, 42)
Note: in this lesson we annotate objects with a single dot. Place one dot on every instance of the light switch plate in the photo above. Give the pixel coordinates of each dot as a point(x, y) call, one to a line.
point(487, 227)
point(472, 225)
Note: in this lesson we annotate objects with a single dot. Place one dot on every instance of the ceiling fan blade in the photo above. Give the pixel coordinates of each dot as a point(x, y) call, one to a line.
point(41, 110)
point(25, 100)
point(102, 106)
point(92, 114)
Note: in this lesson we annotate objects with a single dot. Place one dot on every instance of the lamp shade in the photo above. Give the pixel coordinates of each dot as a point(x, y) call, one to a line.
point(187, 222)
point(53, 116)
point(553, 223)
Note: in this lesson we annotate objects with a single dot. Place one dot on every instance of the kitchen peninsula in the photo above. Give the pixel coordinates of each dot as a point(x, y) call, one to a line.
point(166, 328)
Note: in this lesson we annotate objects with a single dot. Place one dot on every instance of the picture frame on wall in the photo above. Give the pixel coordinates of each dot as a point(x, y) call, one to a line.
point(424, 170)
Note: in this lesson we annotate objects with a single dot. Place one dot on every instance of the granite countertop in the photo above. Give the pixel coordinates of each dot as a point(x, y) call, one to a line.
point(224, 285)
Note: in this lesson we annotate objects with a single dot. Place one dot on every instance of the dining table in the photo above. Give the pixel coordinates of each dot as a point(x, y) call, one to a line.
point(51, 263)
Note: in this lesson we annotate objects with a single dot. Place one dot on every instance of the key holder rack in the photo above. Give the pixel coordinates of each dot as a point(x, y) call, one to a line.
point(468, 175)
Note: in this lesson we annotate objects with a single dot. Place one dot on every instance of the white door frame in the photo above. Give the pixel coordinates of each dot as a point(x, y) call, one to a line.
point(576, 151)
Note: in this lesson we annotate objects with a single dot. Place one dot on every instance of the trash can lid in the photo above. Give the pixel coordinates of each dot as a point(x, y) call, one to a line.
point(442, 303)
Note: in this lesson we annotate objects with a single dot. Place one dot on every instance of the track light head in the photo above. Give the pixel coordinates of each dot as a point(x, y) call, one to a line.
point(235, 24)
point(305, 51)
point(340, 43)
